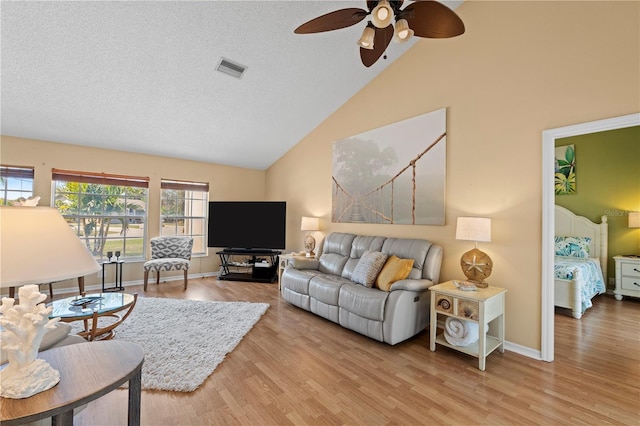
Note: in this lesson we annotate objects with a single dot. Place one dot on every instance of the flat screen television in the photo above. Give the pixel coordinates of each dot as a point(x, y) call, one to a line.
point(247, 225)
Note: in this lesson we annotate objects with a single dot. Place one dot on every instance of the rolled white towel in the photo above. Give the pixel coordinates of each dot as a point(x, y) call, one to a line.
point(460, 332)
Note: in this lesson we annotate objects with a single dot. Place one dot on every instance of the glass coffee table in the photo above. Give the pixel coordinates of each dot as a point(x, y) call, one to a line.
point(113, 308)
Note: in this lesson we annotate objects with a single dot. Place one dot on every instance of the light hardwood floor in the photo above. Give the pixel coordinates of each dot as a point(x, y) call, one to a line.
point(296, 368)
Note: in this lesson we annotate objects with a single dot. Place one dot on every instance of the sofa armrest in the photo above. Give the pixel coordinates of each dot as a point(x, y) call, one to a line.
point(411, 285)
point(304, 263)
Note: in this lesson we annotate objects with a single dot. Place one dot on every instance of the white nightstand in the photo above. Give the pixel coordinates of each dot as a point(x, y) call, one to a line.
point(484, 306)
point(627, 276)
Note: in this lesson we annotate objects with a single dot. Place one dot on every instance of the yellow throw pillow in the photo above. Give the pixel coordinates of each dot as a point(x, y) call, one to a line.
point(394, 269)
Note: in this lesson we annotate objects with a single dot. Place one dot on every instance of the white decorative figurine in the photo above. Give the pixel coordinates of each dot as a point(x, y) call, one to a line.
point(23, 327)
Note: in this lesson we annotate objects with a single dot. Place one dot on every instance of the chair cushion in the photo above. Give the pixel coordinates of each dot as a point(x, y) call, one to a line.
point(166, 264)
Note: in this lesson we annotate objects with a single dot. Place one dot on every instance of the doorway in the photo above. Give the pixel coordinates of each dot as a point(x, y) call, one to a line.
point(548, 218)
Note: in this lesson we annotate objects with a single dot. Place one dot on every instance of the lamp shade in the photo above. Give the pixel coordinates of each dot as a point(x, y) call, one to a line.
point(402, 31)
point(366, 41)
point(382, 14)
point(634, 219)
point(473, 229)
point(38, 246)
point(310, 224)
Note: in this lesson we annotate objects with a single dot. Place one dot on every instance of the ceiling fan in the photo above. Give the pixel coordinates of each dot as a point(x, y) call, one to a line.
point(423, 18)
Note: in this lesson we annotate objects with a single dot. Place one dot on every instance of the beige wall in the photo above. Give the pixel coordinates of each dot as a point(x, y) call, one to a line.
point(520, 68)
point(225, 183)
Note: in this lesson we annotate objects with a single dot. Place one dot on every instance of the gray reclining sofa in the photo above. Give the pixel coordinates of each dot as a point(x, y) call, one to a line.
point(324, 286)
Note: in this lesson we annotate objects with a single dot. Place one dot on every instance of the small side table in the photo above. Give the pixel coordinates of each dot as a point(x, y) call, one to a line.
point(485, 306)
point(118, 281)
point(627, 276)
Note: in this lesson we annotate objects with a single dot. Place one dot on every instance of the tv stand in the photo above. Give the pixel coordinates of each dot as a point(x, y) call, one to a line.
point(248, 265)
point(250, 251)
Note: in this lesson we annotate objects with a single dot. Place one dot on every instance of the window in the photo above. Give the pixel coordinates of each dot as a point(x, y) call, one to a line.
point(108, 212)
point(15, 182)
point(183, 211)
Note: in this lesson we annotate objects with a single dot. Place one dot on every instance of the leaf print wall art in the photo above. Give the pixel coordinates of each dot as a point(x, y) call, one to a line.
point(565, 170)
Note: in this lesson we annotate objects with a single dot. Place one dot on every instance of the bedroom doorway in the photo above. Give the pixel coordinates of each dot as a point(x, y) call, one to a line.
point(548, 220)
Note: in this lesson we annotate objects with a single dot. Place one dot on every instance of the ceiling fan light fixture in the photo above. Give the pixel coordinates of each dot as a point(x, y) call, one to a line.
point(382, 14)
point(366, 41)
point(402, 31)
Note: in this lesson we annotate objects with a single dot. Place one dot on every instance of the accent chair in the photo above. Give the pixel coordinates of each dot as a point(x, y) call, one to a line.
point(167, 253)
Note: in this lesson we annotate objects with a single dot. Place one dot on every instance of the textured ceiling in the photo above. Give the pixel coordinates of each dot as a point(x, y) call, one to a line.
point(140, 76)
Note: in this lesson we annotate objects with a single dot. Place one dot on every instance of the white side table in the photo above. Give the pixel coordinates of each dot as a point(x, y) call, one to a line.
point(484, 306)
point(627, 276)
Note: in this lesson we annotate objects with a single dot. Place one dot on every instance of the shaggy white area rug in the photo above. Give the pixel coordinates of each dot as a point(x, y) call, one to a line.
point(185, 340)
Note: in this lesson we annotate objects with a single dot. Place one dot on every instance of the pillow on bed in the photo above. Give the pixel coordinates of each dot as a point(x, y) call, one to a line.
point(572, 246)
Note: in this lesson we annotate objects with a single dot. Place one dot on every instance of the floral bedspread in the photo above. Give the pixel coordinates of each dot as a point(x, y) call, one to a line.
point(588, 269)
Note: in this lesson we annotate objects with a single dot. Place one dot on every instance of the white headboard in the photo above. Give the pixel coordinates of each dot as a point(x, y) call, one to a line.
point(570, 225)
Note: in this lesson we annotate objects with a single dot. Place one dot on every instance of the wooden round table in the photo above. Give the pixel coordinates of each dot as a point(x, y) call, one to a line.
point(87, 372)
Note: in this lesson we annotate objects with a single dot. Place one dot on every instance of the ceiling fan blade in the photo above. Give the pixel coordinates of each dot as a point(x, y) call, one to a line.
point(380, 42)
point(432, 19)
point(335, 20)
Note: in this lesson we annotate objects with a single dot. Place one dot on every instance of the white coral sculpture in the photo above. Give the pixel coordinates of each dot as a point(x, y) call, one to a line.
point(23, 327)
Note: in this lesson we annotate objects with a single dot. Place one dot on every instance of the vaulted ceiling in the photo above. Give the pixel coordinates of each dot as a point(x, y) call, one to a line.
point(140, 76)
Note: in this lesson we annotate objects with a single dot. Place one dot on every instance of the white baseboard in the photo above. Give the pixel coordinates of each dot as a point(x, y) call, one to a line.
point(97, 288)
point(523, 350)
point(510, 346)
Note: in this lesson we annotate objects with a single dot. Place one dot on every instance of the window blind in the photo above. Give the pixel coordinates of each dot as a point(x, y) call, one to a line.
point(100, 178)
point(16, 172)
point(184, 185)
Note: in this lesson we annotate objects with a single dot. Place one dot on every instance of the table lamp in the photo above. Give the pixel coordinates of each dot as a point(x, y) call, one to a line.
point(310, 224)
point(476, 265)
point(634, 219)
point(36, 246)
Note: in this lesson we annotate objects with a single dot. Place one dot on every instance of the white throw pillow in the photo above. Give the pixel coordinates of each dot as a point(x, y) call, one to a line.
point(368, 268)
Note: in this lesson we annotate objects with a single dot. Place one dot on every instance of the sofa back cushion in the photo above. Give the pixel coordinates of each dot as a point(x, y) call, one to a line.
point(406, 248)
point(335, 252)
point(361, 244)
point(342, 251)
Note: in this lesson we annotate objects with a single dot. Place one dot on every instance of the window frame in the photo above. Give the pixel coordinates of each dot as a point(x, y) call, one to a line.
point(111, 191)
point(189, 187)
point(15, 172)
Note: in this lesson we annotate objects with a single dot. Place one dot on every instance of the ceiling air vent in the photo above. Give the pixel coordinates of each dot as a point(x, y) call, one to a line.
point(232, 68)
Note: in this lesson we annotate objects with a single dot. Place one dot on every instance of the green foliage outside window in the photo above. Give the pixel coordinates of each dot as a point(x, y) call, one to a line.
point(105, 217)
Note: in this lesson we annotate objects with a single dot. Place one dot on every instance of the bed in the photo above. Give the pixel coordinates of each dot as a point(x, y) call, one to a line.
point(580, 260)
